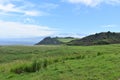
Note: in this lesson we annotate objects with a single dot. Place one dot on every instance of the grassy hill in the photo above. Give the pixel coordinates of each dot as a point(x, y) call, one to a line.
point(60, 62)
point(65, 39)
point(98, 39)
point(49, 41)
point(55, 40)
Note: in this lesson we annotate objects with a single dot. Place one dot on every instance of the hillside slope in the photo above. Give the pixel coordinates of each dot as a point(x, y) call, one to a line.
point(55, 40)
point(65, 39)
point(49, 41)
point(98, 39)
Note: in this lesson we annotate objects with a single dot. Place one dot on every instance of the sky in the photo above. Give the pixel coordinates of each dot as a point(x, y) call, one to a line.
point(40, 18)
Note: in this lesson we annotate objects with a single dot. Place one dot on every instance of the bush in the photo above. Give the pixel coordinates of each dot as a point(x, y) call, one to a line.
point(99, 53)
point(35, 66)
point(45, 63)
point(27, 67)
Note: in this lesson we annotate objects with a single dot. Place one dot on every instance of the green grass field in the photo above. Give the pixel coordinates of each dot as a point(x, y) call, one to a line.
point(60, 62)
point(64, 40)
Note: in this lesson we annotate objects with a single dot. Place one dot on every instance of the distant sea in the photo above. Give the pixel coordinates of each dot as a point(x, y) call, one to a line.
point(19, 41)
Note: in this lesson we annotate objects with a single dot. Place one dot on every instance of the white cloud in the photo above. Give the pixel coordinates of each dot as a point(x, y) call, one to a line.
point(48, 6)
point(9, 8)
point(19, 30)
point(113, 2)
point(75, 35)
point(32, 13)
point(92, 3)
point(27, 8)
point(109, 26)
point(28, 20)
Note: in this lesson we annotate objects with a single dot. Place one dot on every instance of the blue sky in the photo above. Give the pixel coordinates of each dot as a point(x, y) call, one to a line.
point(40, 18)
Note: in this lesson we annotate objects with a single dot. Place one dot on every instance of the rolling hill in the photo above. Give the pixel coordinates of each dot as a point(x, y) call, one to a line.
point(49, 41)
point(55, 40)
point(98, 39)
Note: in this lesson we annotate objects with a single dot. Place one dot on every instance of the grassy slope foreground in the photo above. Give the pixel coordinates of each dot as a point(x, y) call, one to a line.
point(60, 62)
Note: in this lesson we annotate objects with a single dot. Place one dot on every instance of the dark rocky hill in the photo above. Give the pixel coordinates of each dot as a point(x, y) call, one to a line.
point(49, 41)
point(98, 39)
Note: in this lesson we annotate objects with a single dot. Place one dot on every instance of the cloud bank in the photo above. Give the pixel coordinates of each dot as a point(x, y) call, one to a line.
point(20, 30)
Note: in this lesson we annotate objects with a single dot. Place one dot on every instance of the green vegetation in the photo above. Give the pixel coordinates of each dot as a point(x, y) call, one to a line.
point(49, 41)
point(55, 40)
point(60, 62)
point(102, 38)
point(98, 39)
point(66, 40)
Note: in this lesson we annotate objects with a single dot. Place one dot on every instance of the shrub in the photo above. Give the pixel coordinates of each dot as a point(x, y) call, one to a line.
point(35, 66)
point(99, 53)
point(27, 67)
point(45, 63)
